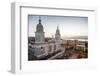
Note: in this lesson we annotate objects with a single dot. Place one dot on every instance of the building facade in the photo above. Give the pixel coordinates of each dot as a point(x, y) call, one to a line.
point(43, 48)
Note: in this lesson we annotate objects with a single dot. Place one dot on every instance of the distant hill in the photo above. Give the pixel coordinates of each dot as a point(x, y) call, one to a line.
point(80, 37)
point(77, 37)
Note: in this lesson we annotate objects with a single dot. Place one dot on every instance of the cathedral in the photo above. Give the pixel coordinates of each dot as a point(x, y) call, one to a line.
point(43, 48)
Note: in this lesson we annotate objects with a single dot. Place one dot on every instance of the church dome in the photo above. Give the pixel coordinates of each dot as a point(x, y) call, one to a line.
point(39, 27)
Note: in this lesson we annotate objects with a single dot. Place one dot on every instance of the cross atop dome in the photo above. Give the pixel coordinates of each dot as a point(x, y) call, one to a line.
point(39, 20)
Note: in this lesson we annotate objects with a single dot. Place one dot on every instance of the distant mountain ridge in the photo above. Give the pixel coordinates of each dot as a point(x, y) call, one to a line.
point(77, 37)
point(80, 37)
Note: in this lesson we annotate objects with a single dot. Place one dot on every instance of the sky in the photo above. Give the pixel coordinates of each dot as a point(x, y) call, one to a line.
point(69, 26)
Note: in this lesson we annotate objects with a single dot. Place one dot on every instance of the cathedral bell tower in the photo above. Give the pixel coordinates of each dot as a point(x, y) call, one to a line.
point(57, 35)
point(39, 34)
